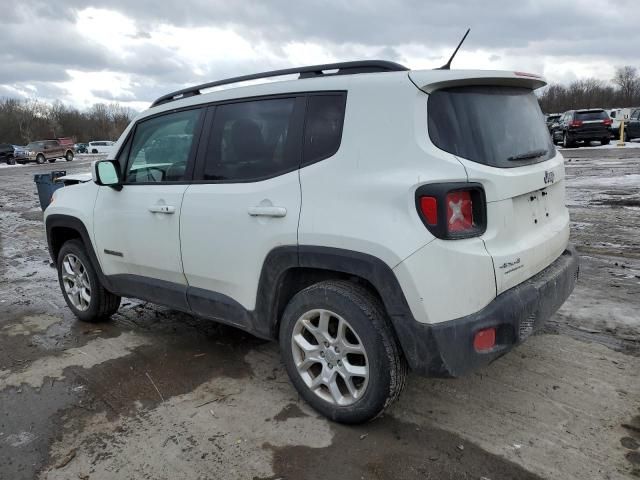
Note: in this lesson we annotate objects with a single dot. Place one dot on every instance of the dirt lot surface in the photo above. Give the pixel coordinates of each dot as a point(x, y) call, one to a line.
point(159, 394)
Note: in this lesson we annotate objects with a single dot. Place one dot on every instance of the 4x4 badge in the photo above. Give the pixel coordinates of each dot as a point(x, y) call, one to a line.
point(549, 177)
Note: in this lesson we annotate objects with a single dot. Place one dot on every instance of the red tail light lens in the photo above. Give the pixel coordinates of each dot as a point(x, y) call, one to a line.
point(575, 123)
point(452, 210)
point(429, 208)
point(607, 121)
point(484, 340)
point(459, 211)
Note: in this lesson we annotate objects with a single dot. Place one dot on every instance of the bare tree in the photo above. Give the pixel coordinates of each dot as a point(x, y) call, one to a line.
point(593, 93)
point(626, 78)
point(22, 121)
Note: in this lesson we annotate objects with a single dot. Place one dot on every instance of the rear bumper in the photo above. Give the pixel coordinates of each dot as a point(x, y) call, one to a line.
point(589, 135)
point(446, 349)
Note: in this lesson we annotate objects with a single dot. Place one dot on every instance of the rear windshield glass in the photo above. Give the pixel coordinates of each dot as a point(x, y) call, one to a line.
point(591, 115)
point(496, 126)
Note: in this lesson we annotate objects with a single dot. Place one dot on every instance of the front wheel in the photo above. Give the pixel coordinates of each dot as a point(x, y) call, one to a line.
point(81, 287)
point(11, 161)
point(40, 159)
point(69, 156)
point(340, 352)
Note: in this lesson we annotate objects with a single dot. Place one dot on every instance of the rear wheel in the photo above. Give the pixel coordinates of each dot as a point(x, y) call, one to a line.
point(81, 287)
point(69, 156)
point(40, 159)
point(340, 352)
point(605, 141)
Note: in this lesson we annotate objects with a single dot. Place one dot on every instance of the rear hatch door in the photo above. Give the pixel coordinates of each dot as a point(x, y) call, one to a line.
point(593, 122)
point(495, 127)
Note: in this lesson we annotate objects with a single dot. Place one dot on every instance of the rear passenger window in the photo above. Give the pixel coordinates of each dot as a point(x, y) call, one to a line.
point(323, 129)
point(252, 140)
point(161, 147)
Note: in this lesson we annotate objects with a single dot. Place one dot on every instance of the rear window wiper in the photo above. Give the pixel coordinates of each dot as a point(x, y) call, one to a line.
point(531, 154)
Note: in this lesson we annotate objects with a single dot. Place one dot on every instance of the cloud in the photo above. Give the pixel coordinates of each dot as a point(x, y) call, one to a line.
point(135, 51)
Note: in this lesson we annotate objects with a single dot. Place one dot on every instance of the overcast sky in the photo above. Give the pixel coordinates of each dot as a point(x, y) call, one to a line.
point(132, 51)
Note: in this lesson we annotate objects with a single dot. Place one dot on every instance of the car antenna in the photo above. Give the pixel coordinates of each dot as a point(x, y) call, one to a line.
point(447, 66)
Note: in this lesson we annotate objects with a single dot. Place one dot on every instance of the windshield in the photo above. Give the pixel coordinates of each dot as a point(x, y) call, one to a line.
point(497, 126)
point(592, 115)
point(35, 146)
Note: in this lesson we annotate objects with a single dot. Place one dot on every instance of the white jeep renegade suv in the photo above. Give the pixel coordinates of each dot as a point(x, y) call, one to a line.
point(369, 217)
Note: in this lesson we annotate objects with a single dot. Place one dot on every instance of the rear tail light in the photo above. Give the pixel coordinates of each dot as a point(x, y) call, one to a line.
point(575, 123)
point(459, 211)
point(429, 209)
point(607, 121)
point(484, 340)
point(452, 210)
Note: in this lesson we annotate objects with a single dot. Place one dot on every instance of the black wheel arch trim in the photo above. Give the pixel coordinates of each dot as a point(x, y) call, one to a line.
point(263, 321)
point(73, 223)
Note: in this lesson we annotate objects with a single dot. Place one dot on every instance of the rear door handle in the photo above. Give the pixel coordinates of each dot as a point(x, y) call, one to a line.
point(168, 209)
point(260, 211)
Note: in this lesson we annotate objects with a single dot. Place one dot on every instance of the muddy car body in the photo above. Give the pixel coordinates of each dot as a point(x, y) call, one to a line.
point(369, 217)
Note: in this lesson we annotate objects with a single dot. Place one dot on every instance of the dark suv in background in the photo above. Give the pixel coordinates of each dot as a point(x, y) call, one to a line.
point(632, 126)
point(552, 119)
point(582, 126)
point(10, 154)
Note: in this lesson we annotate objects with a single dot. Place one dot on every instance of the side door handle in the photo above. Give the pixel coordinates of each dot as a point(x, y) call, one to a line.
point(267, 211)
point(168, 209)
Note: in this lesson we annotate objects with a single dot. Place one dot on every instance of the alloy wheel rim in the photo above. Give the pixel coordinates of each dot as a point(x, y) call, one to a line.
point(75, 280)
point(330, 357)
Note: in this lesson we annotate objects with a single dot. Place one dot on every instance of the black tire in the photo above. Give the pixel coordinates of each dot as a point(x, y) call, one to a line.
point(94, 151)
point(627, 138)
point(69, 156)
point(11, 161)
point(40, 159)
point(52, 160)
point(367, 318)
point(103, 304)
point(568, 142)
point(605, 141)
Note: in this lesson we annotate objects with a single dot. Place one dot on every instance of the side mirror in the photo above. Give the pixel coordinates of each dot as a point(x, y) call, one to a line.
point(105, 173)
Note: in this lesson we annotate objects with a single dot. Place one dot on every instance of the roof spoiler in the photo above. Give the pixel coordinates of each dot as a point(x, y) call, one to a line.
point(432, 80)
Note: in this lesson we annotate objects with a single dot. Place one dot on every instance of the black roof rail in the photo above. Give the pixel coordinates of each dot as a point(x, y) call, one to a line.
point(344, 68)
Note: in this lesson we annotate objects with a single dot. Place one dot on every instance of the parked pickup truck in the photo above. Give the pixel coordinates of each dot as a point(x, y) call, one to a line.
point(49, 150)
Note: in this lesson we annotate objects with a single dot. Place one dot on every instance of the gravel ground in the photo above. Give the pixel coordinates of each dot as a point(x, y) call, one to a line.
point(159, 394)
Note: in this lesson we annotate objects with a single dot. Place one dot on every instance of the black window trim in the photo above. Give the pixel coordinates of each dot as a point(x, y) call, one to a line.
point(197, 134)
point(299, 113)
point(300, 110)
point(344, 114)
point(195, 162)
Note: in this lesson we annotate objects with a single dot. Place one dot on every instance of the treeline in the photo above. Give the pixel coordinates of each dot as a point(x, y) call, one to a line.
point(623, 90)
point(22, 121)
